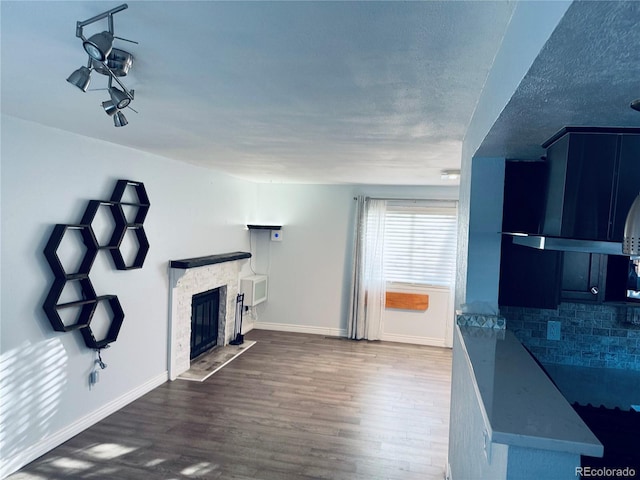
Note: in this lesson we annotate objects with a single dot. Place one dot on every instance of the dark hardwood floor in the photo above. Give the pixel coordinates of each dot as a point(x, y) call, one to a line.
point(294, 406)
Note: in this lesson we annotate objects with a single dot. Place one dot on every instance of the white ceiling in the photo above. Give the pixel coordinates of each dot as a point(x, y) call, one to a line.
point(320, 92)
point(305, 92)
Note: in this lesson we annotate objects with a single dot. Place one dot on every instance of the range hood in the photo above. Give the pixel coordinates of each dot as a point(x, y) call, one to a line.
point(542, 242)
point(630, 246)
point(592, 203)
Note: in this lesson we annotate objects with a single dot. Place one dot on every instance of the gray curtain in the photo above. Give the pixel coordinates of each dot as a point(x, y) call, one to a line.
point(367, 277)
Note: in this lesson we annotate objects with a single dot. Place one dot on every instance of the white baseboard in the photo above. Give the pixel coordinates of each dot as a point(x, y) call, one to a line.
point(340, 332)
point(12, 464)
point(248, 326)
point(286, 327)
point(431, 342)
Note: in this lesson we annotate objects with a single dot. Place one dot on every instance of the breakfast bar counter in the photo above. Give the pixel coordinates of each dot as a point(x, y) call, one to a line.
point(509, 421)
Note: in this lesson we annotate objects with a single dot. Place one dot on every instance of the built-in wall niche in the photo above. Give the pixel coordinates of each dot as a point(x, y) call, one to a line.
point(261, 236)
point(114, 226)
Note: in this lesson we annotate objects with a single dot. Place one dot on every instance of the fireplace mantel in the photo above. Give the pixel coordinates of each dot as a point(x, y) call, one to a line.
point(208, 260)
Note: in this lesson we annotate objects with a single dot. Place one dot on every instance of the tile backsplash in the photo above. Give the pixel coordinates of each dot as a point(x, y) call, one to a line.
point(591, 335)
point(494, 322)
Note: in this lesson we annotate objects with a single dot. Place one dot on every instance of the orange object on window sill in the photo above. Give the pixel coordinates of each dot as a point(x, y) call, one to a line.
point(407, 301)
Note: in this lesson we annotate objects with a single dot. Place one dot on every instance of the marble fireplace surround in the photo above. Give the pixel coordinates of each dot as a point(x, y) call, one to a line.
point(189, 277)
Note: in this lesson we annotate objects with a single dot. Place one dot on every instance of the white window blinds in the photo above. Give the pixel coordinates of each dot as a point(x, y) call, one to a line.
point(420, 242)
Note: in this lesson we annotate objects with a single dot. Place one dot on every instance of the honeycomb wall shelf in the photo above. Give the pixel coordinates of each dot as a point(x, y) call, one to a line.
point(117, 215)
point(56, 238)
point(115, 322)
point(142, 204)
point(82, 309)
point(128, 208)
point(143, 247)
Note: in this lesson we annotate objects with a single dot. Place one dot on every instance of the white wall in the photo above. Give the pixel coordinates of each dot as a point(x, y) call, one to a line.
point(531, 25)
point(47, 177)
point(485, 225)
point(529, 29)
point(310, 270)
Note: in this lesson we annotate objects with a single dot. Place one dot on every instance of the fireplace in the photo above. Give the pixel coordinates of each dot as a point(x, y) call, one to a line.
point(206, 310)
point(189, 278)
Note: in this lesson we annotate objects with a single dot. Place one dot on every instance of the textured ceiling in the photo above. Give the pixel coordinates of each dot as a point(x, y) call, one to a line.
point(308, 92)
point(586, 75)
point(321, 92)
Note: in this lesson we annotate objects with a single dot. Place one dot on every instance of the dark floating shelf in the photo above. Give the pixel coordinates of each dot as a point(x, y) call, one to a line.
point(115, 323)
point(85, 305)
point(77, 314)
point(208, 260)
point(88, 256)
point(264, 227)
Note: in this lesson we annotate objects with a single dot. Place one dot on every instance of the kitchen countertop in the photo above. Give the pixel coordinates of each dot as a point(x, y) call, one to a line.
point(609, 387)
point(520, 404)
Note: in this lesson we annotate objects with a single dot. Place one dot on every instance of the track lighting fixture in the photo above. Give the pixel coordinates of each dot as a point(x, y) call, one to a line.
point(81, 78)
point(635, 104)
point(119, 120)
point(109, 107)
point(119, 98)
point(108, 61)
point(99, 46)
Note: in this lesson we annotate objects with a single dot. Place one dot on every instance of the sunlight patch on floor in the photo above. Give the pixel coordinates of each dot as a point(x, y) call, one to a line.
point(201, 468)
point(71, 464)
point(108, 451)
point(155, 462)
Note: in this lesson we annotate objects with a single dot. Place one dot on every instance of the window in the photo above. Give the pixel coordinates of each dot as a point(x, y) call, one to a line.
point(420, 242)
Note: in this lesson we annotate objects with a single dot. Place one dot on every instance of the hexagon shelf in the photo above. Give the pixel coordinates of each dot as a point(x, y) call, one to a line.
point(115, 322)
point(72, 301)
point(141, 248)
point(115, 228)
point(131, 222)
point(60, 267)
point(124, 188)
point(73, 314)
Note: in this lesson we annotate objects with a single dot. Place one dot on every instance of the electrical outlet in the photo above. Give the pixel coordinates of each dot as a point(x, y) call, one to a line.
point(553, 330)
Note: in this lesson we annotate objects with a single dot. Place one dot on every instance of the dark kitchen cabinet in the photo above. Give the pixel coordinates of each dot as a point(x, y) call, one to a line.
point(528, 277)
point(524, 192)
point(583, 277)
point(594, 176)
point(628, 183)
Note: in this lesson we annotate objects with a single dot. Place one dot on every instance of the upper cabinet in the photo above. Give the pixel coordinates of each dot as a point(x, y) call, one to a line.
point(628, 183)
point(523, 206)
point(528, 277)
point(594, 177)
